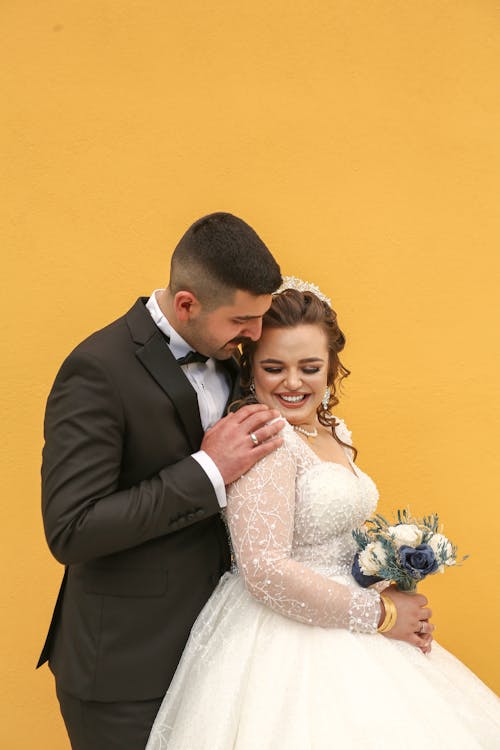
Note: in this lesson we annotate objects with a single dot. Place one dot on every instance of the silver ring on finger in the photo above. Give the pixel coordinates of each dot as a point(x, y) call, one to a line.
point(254, 438)
point(421, 628)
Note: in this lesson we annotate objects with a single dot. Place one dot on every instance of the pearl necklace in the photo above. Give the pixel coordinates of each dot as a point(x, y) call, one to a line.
point(310, 434)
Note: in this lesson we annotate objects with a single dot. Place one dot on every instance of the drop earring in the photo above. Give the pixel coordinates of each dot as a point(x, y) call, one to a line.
point(326, 399)
point(251, 387)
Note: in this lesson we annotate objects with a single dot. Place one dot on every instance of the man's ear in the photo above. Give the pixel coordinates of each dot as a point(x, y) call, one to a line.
point(186, 306)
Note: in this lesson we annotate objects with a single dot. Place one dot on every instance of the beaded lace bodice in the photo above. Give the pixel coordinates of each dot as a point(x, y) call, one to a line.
point(290, 519)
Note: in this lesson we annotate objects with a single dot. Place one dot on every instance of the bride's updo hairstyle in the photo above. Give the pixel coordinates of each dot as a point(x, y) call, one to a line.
point(291, 308)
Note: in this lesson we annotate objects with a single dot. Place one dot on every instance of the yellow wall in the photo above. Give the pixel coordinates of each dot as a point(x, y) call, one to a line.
point(361, 139)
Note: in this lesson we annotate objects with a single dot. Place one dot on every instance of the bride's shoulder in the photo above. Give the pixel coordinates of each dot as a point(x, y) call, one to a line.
point(292, 443)
point(288, 430)
point(342, 431)
point(289, 436)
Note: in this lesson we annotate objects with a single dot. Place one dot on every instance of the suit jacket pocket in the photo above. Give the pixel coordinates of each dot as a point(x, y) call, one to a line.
point(134, 582)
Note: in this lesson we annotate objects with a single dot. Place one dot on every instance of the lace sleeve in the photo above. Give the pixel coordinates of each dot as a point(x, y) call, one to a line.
point(260, 514)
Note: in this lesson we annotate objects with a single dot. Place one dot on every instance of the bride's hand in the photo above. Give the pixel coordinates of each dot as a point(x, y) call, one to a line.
point(412, 623)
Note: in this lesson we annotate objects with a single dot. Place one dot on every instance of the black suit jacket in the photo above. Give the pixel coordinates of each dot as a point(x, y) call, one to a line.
point(133, 517)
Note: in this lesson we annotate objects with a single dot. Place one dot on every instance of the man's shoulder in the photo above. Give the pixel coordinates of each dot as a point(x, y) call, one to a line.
point(106, 343)
point(109, 354)
point(103, 336)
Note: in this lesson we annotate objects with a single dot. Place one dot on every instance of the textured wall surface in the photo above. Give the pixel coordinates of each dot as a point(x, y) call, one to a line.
point(361, 139)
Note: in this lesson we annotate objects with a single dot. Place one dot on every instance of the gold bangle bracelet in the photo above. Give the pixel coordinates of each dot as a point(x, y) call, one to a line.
point(391, 615)
point(387, 623)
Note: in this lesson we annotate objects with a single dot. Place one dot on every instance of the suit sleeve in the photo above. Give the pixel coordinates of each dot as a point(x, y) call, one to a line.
point(86, 515)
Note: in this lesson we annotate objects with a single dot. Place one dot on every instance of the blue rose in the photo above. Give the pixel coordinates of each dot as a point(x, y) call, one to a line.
point(418, 561)
point(360, 577)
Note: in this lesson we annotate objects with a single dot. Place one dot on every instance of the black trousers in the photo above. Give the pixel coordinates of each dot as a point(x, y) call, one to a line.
point(92, 725)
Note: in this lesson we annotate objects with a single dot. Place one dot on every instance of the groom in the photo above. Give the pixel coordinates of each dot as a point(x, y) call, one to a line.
point(137, 454)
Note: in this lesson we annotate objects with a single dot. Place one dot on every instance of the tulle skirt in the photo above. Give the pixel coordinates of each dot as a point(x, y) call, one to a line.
point(251, 679)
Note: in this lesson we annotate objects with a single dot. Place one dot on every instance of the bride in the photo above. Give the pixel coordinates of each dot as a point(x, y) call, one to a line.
point(287, 653)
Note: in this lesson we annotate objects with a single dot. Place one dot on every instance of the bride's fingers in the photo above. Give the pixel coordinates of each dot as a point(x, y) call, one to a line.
point(423, 627)
point(426, 649)
point(416, 640)
point(424, 641)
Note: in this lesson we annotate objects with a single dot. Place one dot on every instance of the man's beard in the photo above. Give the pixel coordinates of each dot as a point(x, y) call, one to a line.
point(240, 341)
point(231, 348)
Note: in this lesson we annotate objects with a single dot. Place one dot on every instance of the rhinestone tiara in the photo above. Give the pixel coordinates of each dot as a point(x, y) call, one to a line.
point(292, 282)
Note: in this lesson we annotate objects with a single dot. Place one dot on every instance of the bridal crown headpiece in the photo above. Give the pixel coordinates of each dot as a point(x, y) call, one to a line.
point(292, 282)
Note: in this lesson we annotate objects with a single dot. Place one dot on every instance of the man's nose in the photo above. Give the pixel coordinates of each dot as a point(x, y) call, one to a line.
point(253, 329)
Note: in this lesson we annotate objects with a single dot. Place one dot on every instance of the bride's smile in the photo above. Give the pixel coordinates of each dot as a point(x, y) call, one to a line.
point(292, 400)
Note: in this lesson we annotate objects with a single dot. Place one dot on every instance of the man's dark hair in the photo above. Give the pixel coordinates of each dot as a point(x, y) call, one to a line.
point(219, 254)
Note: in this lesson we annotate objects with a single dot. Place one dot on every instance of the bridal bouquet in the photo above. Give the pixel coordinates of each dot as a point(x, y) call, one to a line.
point(404, 552)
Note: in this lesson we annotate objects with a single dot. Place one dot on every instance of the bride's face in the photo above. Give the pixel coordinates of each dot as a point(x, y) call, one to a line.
point(290, 368)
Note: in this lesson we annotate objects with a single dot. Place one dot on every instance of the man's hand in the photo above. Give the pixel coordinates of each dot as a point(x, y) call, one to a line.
point(236, 442)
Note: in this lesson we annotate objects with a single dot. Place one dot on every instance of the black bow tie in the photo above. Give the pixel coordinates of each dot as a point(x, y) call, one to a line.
point(191, 357)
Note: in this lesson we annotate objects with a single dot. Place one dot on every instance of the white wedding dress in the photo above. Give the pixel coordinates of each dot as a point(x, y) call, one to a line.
point(285, 654)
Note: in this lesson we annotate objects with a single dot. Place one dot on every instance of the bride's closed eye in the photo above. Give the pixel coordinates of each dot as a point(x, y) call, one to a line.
point(305, 370)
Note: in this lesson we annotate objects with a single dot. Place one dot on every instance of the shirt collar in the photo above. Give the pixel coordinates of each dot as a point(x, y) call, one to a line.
point(177, 345)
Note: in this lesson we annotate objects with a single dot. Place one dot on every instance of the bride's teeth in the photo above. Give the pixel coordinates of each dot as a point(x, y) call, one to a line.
point(293, 399)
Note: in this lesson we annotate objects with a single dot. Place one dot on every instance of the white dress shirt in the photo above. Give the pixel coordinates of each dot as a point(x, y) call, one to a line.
point(212, 388)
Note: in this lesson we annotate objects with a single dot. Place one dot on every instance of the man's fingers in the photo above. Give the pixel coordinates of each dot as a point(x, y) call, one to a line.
point(249, 419)
point(259, 423)
point(268, 447)
point(263, 434)
point(246, 411)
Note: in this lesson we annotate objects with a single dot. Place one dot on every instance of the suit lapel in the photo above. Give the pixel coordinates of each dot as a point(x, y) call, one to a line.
point(159, 361)
point(161, 364)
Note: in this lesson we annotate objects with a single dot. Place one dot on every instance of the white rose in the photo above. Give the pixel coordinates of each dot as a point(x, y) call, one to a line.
point(372, 558)
point(406, 533)
point(442, 548)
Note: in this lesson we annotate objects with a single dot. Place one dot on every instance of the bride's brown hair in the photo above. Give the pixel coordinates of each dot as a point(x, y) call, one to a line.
point(291, 308)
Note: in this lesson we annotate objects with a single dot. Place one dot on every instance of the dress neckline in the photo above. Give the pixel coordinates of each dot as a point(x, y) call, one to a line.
point(352, 471)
